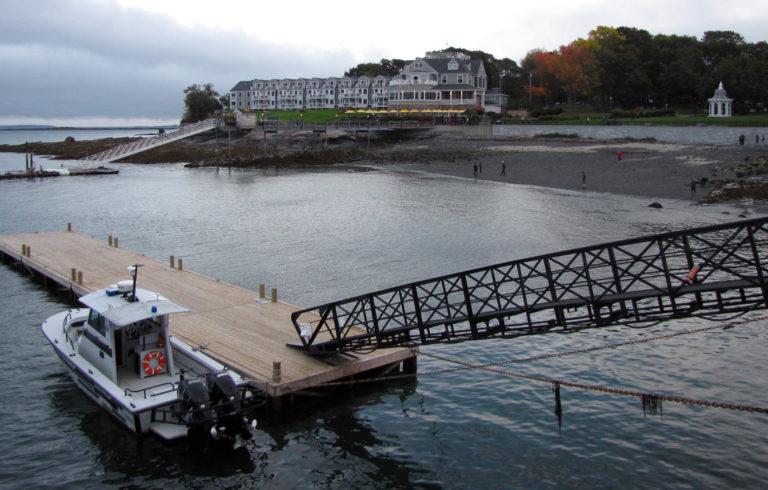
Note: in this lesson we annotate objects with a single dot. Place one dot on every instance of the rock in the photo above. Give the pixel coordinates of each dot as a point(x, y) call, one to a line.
point(656, 205)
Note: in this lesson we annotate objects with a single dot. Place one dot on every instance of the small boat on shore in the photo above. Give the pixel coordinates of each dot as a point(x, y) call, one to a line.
point(119, 352)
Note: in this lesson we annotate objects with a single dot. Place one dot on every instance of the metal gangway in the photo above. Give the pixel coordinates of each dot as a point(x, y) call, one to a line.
point(711, 272)
point(144, 144)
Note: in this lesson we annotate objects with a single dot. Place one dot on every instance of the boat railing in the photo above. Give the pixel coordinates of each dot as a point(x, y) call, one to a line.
point(143, 391)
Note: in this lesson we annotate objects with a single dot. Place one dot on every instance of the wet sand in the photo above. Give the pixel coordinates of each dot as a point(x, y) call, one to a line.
point(661, 170)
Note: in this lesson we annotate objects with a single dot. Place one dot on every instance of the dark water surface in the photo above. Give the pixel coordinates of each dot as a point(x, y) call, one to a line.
point(325, 235)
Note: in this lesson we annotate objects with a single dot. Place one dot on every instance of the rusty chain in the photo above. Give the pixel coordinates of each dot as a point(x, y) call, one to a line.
point(464, 366)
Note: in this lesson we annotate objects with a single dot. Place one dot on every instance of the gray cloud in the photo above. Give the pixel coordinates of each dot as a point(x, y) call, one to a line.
point(75, 59)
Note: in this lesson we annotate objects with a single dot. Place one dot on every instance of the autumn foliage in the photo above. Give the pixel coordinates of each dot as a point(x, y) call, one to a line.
point(628, 68)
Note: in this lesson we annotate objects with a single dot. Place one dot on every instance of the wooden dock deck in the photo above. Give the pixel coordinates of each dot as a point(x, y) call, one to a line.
point(235, 326)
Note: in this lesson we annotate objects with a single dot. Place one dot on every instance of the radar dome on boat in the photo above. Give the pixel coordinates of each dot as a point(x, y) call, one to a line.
point(125, 286)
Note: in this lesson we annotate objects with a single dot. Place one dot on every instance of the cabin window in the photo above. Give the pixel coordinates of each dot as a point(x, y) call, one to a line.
point(98, 323)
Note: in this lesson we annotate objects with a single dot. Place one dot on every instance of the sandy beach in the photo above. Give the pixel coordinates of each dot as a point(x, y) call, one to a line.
point(650, 169)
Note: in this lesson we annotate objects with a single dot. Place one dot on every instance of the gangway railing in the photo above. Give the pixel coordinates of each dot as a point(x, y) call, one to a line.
point(145, 144)
point(713, 271)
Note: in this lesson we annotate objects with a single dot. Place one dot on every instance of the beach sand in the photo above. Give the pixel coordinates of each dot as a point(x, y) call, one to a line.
point(649, 169)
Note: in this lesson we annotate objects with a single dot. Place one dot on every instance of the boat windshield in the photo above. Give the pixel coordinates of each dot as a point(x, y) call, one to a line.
point(98, 323)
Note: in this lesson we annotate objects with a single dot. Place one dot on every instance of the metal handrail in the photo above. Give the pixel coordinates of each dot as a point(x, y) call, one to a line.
point(710, 270)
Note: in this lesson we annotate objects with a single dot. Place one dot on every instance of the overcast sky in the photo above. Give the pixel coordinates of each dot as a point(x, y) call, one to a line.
point(116, 62)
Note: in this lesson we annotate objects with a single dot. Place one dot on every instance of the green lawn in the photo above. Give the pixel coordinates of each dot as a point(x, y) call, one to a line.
point(579, 119)
point(596, 119)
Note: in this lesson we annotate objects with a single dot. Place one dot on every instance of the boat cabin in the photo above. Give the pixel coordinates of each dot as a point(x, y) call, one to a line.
point(126, 334)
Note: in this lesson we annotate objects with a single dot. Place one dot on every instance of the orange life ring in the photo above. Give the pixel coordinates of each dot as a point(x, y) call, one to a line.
point(153, 363)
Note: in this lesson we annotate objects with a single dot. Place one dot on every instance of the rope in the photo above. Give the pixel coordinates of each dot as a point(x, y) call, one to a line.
point(651, 401)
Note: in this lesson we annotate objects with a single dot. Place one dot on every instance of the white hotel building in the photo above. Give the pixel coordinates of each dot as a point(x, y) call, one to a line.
point(437, 81)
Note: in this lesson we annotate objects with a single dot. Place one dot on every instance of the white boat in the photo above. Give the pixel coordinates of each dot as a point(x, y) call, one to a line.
point(118, 350)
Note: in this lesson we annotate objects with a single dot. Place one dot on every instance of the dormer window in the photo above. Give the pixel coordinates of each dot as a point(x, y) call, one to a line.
point(453, 65)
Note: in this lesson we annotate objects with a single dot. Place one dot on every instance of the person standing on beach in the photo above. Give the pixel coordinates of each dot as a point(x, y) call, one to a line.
point(474, 168)
point(583, 180)
point(503, 168)
point(693, 187)
point(619, 155)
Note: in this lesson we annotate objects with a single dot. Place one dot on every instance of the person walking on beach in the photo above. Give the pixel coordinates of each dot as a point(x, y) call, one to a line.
point(503, 168)
point(693, 186)
point(474, 168)
point(619, 155)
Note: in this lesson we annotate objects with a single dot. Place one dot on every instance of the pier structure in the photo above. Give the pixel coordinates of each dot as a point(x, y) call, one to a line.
point(145, 144)
point(712, 272)
point(246, 331)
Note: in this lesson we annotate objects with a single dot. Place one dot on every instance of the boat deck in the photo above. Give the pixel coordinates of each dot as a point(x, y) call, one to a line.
point(233, 325)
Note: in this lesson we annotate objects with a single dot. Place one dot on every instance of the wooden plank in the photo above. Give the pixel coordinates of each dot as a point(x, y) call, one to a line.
point(229, 323)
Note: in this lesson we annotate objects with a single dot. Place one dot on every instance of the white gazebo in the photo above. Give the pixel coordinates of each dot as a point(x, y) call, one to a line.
point(720, 105)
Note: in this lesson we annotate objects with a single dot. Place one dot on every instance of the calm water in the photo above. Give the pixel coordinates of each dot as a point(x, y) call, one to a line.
point(324, 235)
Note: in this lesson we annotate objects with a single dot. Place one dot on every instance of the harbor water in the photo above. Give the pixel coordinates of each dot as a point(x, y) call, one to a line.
point(324, 234)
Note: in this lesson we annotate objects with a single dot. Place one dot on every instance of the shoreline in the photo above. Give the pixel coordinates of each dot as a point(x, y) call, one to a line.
point(646, 169)
point(656, 170)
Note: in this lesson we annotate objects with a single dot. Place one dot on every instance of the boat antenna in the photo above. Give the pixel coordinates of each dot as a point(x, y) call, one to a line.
point(134, 271)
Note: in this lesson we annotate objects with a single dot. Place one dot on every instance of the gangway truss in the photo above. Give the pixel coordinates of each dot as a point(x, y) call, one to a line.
point(711, 271)
point(145, 144)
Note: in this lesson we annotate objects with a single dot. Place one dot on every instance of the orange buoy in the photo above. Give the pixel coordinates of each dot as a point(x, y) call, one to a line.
point(692, 275)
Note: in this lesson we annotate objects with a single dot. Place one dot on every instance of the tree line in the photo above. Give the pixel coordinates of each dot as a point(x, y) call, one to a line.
point(620, 68)
point(625, 68)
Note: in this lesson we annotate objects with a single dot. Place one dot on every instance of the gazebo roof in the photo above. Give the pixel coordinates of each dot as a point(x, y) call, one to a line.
point(720, 95)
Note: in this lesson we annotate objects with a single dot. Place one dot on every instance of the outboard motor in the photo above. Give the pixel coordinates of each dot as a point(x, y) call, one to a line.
point(227, 401)
point(196, 409)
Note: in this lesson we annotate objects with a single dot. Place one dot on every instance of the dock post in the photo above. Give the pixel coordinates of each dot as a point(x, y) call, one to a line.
point(109, 240)
point(172, 262)
point(276, 371)
point(29, 251)
point(80, 277)
point(410, 365)
point(69, 226)
point(261, 291)
point(23, 249)
point(181, 264)
point(115, 242)
point(274, 295)
point(74, 274)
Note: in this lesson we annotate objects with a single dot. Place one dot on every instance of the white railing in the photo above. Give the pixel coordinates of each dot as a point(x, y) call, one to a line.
point(144, 144)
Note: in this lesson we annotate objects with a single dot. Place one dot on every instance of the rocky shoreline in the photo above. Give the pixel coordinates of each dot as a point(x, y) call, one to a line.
point(642, 168)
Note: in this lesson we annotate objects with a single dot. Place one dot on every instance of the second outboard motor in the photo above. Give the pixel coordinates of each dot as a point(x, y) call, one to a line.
point(196, 409)
point(227, 401)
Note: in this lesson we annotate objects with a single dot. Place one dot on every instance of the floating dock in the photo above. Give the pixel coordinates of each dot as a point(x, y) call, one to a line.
point(21, 174)
point(245, 330)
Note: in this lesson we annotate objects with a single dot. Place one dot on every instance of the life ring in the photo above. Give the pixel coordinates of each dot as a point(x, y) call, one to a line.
point(153, 363)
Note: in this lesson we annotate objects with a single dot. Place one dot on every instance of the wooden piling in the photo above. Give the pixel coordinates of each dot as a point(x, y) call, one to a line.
point(261, 291)
point(274, 295)
point(181, 264)
point(172, 262)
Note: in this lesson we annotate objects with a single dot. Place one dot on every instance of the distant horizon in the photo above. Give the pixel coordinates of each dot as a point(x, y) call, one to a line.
point(23, 127)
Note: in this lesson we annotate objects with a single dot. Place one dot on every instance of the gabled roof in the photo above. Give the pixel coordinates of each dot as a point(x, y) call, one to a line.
point(243, 86)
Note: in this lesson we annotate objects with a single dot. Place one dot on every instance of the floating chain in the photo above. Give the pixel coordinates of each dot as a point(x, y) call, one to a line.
point(648, 398)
